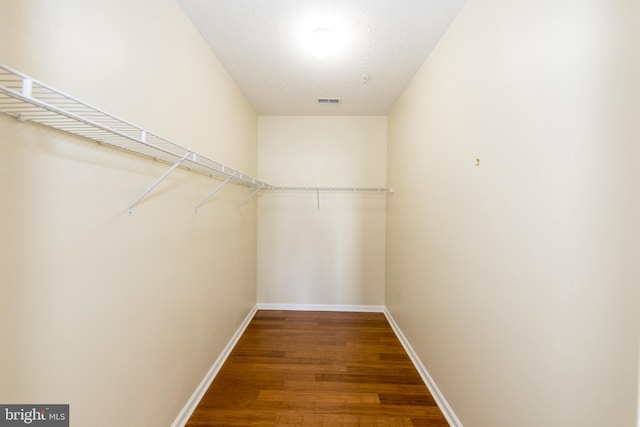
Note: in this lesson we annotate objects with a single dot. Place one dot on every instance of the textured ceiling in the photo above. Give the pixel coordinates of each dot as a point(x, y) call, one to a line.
point(263, 46)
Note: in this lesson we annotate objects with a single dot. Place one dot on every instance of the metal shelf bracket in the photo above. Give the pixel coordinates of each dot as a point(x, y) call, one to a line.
point(250, 196)
point(213, 193)
point(158, 181)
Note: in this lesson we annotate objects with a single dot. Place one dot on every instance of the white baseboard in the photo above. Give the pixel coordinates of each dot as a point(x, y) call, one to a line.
point(192, 403)
point(322, 307)
point(444, 406)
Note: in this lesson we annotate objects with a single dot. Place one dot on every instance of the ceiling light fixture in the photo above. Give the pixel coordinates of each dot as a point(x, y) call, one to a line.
point(323, 43)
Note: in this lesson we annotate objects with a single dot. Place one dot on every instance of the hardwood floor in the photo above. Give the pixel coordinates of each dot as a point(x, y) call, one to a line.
point(294, 368)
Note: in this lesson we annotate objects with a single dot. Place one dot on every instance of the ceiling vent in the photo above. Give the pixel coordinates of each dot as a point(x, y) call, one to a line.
point(328, 100)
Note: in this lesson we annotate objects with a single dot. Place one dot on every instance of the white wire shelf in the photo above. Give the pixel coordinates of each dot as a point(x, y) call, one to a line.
point(317, 190)
point(337, 189)
point(28, 99)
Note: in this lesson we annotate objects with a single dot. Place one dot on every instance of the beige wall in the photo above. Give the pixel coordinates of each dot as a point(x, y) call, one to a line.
point(120, 317)
point(334, 255)
point(517, 281)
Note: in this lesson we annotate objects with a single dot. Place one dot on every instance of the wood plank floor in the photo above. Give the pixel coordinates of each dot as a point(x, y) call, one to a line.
point(293, 368)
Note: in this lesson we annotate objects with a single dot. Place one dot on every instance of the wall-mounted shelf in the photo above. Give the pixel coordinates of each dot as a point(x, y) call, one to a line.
point(353, 189)
point(317, 190)
point(25, 98)
point(28, 99)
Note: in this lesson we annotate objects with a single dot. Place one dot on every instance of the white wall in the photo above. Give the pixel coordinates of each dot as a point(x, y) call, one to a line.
point(334, 255)
point(119, 317)
point(517, 281)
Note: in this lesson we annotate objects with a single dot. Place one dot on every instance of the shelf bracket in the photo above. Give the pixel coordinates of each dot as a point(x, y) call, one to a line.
point(158, 181)
point(251, 195)
point(213, 193)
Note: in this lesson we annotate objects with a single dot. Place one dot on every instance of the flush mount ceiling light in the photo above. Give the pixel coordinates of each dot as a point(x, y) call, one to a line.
point(323, 43)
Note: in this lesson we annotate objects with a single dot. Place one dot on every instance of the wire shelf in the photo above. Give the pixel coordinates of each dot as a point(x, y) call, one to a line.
point(336, 189)
point(28, 99)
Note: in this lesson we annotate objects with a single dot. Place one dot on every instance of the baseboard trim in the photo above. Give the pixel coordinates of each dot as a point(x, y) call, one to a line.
point(322, 307)
point(184, 415)
point(444, 406)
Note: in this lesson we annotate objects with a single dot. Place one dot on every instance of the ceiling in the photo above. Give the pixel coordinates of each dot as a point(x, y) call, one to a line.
point(264, 45)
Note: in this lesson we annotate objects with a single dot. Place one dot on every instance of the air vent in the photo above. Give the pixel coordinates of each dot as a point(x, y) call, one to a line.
point(328, 100)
